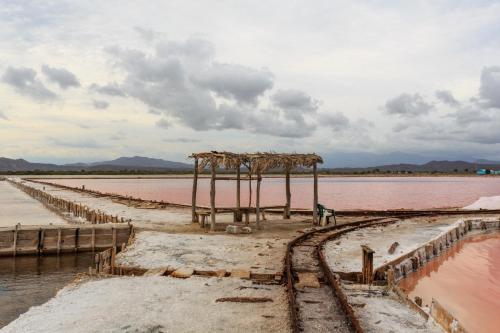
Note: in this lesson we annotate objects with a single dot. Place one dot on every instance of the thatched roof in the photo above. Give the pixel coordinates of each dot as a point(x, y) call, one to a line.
point(256, 162)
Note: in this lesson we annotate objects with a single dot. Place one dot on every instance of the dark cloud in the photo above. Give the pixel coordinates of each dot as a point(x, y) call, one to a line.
point(446, 97)
point(26, 83)
point(64, 78)
point(98, 104)
point(471, 114)
point(336, 121)
point(181, 79)
point(294, 100)
point(111, 89)
point(489, 90)
point(237, 82)
point(407, 105)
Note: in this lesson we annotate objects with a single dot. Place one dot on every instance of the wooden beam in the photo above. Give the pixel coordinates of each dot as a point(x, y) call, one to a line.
point(212, 197)
point(315, 200)
point(195, 187)
point(257, 200)
point(288, 193)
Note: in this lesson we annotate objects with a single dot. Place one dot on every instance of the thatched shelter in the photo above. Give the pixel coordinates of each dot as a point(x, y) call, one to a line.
point(255, 164)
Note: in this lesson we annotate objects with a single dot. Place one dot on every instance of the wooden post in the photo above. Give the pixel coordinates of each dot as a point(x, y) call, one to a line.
point(15, 240)
point(257, 200)
point(367, 272)
point(288, 193)
point(59, 234)
point(212, 196)
point(238, 194)
point(195, 187)
point(315, 200)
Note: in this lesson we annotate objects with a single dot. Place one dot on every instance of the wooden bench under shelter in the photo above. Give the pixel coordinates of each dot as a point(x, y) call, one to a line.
point(255, 164)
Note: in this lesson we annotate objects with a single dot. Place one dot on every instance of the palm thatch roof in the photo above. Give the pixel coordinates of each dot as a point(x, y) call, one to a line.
point(255, 162)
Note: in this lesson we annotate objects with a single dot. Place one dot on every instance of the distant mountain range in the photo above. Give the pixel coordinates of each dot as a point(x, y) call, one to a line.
point(432, 166)
point(158, 165)
point(122, 163)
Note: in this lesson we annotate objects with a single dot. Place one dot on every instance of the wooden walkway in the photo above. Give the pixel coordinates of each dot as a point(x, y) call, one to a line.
point(59, 239)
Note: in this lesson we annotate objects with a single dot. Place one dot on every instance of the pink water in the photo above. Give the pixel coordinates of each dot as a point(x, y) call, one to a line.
point(465, 281)
point(335, 192)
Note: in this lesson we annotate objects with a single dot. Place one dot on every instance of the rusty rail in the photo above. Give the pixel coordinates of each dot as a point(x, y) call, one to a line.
point(288, 261)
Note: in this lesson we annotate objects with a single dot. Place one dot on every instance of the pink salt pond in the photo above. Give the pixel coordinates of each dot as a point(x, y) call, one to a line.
point(465, 281)
point(377, 193)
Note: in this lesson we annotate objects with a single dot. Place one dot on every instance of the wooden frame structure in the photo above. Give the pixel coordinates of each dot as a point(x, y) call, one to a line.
point(256, 164)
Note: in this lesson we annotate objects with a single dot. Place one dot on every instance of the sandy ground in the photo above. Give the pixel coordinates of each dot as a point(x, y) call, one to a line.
point(344, 254)
point(382, 311)
point(18, 207)
point(205, 252)
point(158, 304)
point(485, 203)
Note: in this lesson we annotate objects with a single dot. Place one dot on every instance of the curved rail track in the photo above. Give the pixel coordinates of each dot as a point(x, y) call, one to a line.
point(316, 301)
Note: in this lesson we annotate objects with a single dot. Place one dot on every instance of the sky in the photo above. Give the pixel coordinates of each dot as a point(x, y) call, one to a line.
point(95, 80)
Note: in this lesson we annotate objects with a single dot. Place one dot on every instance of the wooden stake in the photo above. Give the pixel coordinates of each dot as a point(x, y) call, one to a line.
point(212, 197)
point(257, 200)
point(59, 232)
point(238, 195)
point(315, 200)
point(195, 187)
point(288, 193)
point(367, 272)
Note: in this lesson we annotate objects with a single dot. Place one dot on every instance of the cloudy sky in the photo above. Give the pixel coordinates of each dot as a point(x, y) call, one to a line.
point(93, 80)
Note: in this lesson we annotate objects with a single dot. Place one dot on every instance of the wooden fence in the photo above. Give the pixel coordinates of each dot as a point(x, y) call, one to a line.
point(77, 210)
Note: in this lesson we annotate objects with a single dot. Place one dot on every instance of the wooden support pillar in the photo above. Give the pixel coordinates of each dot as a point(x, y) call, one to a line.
point(367, 273)
point(315, 200)
point(195, 187)
point(238, 216)
point(212, 196)
point(288, 193)
point(257, 200)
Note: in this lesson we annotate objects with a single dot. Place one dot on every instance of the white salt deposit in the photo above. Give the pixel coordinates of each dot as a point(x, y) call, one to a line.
point(344, 254)
point(157, 304)
point(153, 249)
point(382, 311)
point(485, 203)
point(18, 207)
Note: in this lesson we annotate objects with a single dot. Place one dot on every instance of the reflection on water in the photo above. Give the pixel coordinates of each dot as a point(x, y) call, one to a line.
point(29, 281)
point(466, 281)
point(335, 192)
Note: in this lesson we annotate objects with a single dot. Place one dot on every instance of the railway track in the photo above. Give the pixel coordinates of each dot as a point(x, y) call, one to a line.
point(314, 304)
point(316, 301)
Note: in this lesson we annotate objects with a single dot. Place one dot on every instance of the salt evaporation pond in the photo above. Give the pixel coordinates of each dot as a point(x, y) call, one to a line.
point(29, 281)
point(465, 281)
point(376, 193)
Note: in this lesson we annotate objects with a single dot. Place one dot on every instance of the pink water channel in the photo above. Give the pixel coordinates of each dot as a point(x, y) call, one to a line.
point(335, 192)
point(465, 281)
